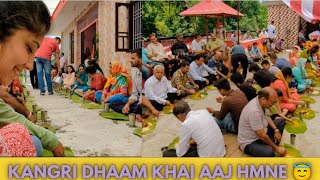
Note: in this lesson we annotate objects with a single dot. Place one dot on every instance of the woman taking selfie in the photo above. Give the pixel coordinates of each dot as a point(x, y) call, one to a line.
point(23, 27)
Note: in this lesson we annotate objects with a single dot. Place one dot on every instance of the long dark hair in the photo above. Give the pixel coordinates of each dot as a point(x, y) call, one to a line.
point(32, 16)
point(70, 66)
point(94, 63)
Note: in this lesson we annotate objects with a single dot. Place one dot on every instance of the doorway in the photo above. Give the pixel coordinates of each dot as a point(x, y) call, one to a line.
point(88, 42)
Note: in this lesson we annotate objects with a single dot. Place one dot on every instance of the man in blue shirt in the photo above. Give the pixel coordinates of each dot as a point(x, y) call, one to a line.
point(280, 63)
point(216, 64)
point(196, 71)
point(256, 53)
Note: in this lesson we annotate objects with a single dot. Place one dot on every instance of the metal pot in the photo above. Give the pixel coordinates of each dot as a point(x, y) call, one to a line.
point(58, 80)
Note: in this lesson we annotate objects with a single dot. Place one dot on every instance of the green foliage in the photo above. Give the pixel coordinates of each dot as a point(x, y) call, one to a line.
point(162, 18)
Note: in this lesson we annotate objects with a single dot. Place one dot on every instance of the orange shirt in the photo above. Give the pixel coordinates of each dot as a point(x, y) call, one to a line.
point(48, 46)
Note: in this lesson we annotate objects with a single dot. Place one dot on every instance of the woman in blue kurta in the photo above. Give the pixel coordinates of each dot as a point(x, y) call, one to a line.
point(299, 75)
point(82, 80)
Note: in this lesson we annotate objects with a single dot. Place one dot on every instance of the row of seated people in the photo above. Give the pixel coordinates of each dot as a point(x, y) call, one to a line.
point(123, 91)
point(279, 95)
point(242, 112)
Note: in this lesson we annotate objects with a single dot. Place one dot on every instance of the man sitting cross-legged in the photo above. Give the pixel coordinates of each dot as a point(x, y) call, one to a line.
point(159, 90)
point(199, 134)
point(182, 80)
point(232, 104)
point(258, 135)
point(136, 99)
point(196, 71)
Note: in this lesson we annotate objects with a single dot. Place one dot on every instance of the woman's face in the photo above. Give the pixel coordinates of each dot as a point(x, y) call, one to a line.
point(17, 53)
point(69, 69)
point(81, 70)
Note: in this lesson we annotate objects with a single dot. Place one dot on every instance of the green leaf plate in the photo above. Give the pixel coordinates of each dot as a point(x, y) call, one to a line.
point(138, 132)
point(91, 106)
point(298, 126)
point(67, 152)
point(48, 126)
point(309, 114)
point(114, 116)
point(198, 96)
point(173, 144)
point(168, 109)
point(307, 98)
point(315, 93)
point(151, 126)
point(291, 151)
point(212, 87)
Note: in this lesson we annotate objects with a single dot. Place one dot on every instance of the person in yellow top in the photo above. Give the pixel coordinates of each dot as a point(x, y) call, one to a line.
point(263, 49)
point(215, 44)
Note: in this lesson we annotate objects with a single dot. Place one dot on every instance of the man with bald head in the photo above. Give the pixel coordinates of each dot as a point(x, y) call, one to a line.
point(258, 135)
point(218, 65)
point(159, 90)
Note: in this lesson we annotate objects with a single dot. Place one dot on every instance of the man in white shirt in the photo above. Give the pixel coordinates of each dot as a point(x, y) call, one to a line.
point(271, 29)
point(196, 71)
point(197, 45)
point(247, 35)
point(62, 62)
point(159, 90)
point(263, 34)
point(199, 135)
point(156, 52)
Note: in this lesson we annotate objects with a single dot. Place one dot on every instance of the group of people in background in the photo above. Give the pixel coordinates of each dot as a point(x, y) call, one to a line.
point(276, 85)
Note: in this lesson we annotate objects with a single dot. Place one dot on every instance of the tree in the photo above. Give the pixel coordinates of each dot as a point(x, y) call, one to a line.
point(162, 18)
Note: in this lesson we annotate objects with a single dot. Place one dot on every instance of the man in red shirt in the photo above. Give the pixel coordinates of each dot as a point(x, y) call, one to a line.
point(43, 62)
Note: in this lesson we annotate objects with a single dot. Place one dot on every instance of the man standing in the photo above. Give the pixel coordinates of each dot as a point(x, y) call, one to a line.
point(232, 104)
point(33, 76)
point(62, 62)
point(271, 29)
point(239, 57)
point(199, 134)
point(183, 81)
point(196, 71)
point(258, 135)
point(43, 61)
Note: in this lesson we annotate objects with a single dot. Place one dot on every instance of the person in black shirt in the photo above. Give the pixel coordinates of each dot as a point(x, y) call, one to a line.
point(246, 87)
point(262, 77)
point(180, 49)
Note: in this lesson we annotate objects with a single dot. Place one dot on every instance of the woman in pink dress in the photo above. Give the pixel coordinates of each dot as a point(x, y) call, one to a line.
point(15, 141)
point(294, 55)
point(290, 99)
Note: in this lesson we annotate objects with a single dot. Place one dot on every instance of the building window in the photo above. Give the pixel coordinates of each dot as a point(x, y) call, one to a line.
point(128, 26)
point(122, 29)
point(72, 47)
point(135, 24)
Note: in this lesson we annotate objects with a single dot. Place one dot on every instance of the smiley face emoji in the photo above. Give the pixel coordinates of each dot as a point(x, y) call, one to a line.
point(302, 171)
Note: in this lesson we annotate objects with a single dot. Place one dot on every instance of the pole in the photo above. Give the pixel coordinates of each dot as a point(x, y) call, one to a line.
point(206, 21)
point(238, 22)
